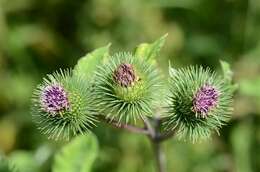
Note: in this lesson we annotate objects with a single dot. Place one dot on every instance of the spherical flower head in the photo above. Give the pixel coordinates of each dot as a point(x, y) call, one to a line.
point(200, 102)
point(125, 75)
point(126, 88)
point(62, 106)
point(54, 99)
point(205, 100)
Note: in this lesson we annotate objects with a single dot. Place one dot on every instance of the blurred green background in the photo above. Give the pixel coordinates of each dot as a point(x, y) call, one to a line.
point(38, 37)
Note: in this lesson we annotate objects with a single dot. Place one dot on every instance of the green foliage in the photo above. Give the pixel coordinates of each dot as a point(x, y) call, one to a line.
point(87, 65)
point(150, 51)
point(250, 87)
point(241, 141)
point(37, 37)
point(24, 161)
point(77, 119)
point(126, 104)
point(6, 165)
point(227, 72)
point(184, 85)
point(77, 156)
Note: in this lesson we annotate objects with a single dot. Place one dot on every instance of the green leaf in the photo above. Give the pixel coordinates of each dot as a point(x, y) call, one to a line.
point(88, 64)
point(227, 72)
point(6, 165)
point(24, 161)
point(78, 155)
point(150, 51)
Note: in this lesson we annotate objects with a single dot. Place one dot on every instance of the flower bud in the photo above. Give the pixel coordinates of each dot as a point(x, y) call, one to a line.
point(125, 75)
point(126, 88)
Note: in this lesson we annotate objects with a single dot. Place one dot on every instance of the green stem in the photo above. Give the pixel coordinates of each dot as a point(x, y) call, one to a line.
point(157, 141)
point(119, 125)
point(159, 157)
point(152, 130)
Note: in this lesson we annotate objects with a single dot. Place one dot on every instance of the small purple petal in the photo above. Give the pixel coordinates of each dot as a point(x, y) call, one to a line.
point(54, 99)
point(205, 100)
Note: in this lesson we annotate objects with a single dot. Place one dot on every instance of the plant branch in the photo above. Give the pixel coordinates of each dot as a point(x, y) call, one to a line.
point(156, 141)
point(116, 124)
point(150, 128)
point(159, 157)
point(165, 136)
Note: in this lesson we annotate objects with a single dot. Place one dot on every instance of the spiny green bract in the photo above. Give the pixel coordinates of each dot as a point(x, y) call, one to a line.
point(199, 102)
point(126, 87)
point(62, 106)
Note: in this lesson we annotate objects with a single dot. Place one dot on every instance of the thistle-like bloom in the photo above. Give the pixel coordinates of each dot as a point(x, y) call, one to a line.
point(126, 88)
point(54, 99)
point(199, 102)
point(62, 106)
point(205, 99)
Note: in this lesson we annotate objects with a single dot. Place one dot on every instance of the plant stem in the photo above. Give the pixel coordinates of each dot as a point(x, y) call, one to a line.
point(127, 127)
point(159, 157)
point(165, 136)
point(152, 130)
point(156, 141)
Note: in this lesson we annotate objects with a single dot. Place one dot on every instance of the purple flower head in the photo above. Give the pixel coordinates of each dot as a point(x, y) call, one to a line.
point(124, 75)
point(54, 99)
point(205, 100)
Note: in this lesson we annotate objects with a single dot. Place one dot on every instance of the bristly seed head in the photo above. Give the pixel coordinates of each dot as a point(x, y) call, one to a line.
point(54, 99)
point(125, 75)
point(205, 100)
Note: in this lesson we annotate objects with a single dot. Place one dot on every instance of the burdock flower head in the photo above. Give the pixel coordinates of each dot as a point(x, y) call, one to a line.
point(61, 106)
point(125, 88)
point(200, 102)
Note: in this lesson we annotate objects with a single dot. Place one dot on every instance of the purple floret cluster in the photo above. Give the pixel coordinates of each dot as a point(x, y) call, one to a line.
point(205, 100)
point(125, 75)
point(54, 99)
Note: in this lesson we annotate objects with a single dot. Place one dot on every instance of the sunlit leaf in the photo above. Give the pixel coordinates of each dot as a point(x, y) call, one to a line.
point(77, 156)
point(87, 64)
point(6, 165)
point(227, 72)
point(24, 161)
point(150, 51)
